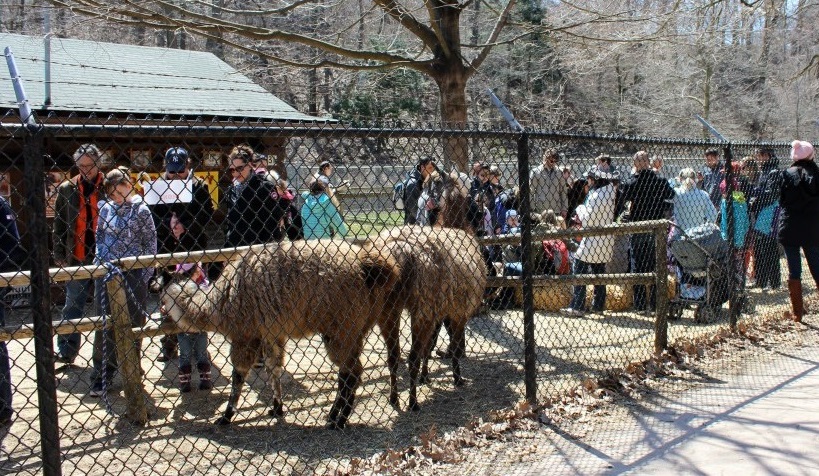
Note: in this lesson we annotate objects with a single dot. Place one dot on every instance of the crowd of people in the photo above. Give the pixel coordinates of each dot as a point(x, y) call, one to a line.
point(101, 217)
point(605, 195)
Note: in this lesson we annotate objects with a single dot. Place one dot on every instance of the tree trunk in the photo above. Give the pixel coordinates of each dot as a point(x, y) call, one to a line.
point(216, 46)
point(451, 74)
point(452, 88)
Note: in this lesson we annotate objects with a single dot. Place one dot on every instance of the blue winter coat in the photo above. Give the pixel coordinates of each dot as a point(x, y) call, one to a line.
point(742, 221)
point(320, 218)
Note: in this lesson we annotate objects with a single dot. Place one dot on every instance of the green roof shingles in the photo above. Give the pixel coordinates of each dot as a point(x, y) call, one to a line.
point(89, 76)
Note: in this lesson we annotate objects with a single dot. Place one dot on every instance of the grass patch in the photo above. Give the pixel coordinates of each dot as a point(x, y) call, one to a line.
point(365, 224)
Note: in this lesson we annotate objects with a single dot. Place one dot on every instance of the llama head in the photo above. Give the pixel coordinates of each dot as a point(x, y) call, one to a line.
point(454, 201)
point(175, 299)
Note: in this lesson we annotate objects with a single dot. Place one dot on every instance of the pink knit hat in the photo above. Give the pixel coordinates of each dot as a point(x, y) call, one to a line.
point(801, 150)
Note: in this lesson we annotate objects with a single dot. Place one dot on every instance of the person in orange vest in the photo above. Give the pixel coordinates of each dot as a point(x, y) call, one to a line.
point(75, 224)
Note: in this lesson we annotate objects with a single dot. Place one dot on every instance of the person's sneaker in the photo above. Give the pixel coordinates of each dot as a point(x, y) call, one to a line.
point(96, 390)
point(572, 312)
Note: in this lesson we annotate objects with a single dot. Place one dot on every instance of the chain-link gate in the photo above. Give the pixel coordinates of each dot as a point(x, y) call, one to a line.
point(222, 293)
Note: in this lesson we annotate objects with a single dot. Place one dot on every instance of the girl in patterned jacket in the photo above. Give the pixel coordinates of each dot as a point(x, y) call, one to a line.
point(125, 228)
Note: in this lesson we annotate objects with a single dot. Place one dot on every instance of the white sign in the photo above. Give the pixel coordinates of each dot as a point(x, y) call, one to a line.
point(161, 191)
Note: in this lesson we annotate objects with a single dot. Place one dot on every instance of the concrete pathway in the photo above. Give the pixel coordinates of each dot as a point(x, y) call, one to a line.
point(774, 429)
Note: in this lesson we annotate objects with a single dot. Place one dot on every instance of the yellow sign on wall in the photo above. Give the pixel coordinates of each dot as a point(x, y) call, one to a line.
point(210, 178)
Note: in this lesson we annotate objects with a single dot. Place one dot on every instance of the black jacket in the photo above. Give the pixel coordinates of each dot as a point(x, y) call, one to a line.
point(194, 217)
point(767, 187)
point(255, 216)
point(412, 191)
point(12, 254)
point(650, 196)
point(799, 199)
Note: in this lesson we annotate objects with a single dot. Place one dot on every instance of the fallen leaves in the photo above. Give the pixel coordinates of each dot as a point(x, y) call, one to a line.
point(582, 402)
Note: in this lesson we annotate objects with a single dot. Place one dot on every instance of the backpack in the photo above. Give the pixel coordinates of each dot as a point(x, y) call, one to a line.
point(399, 192)
point(555, 257)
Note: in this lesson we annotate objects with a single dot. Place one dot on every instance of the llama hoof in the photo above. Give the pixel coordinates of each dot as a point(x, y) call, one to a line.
point(459, 382)
point(332, 425)
point(413, 407)
point(423, 379)
point(394, 402)
point(223, 421)
point(277, 410)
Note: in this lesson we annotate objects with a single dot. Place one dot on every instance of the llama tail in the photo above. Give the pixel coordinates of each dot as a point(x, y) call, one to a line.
point(379, 268)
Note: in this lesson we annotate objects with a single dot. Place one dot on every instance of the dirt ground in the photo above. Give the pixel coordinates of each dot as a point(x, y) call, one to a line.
point(181, 438)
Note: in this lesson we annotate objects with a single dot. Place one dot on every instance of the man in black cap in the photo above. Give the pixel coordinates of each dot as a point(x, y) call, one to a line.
point(180, 224)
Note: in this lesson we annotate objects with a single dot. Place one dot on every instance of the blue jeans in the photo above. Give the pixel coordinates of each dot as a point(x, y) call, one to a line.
point(105, 351)
point(643, 260)
point(5, 368)
point(579, 296)
point(193, 345)
point(76, 295)
point(794, 260)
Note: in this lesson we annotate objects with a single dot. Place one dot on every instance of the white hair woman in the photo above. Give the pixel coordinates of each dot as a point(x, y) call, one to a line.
point(692, 205)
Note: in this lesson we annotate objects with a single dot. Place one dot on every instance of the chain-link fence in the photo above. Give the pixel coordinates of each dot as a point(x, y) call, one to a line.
point(278, 290)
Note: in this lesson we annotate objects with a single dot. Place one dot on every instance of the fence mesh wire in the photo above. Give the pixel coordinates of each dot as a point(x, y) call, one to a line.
point(339, 277)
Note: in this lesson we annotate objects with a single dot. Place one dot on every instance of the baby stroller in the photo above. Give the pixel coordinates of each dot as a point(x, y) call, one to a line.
point(702, 265)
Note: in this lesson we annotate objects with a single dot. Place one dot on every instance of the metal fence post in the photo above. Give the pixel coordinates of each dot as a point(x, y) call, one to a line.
point(733, 308)
point(128, 352)
point(38, 262)
point(530, 358)
point(661, 287)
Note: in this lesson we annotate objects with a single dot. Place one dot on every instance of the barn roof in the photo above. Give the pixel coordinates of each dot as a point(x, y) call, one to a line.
point(90, 76)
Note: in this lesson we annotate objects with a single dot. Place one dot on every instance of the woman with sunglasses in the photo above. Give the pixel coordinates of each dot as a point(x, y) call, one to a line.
point(255, 210)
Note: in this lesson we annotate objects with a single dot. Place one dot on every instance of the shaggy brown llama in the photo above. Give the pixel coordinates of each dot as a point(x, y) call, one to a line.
point(286, 291)
point(442, 281)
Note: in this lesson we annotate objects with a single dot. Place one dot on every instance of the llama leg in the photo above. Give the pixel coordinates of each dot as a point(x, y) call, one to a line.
point(343, 406)
point(457, 338)
point(390, 332)
point(421, 335)
point(433, 340)
point(275, 368)
point(454, 347)
point(349, 376)
point(242, 355)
